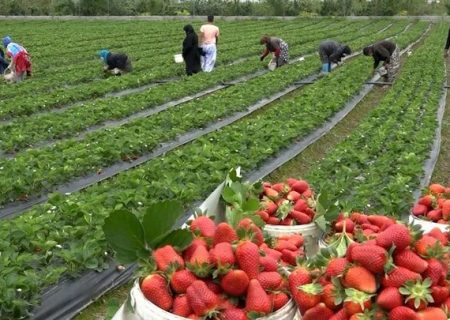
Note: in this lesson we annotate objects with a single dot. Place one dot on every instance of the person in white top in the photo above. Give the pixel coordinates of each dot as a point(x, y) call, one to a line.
point(209, 36)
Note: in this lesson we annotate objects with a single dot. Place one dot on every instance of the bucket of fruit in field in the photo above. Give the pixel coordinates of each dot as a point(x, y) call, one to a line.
point(289, 208)
point(226, 272)
point(432, 209)
point(394, 276)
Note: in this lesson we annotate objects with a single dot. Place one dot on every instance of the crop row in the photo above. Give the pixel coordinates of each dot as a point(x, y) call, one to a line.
point(378, 167)
point(64, 237)
point(24, 132)
point(150, 54)
point(61, 97)
point(38, 170)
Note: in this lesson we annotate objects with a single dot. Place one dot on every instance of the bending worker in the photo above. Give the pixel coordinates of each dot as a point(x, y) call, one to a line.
point(278, 47)
point(330, 52)
point(116, 63)
point(20, 59)
point(387, 52)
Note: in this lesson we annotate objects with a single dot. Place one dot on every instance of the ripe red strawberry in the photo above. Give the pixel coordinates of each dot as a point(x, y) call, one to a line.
point(181, 306)
point(247, 256)
point(290, 257)
point(396, 234)
point(204, 226)
point(181, 280)
point(213, 286)
point(347, 223)
point(318, 312)
point(263, 215)
point(446, 209)
point(331, 296)
point(371, 257)
point(235, 282)
point(271, 193)
point(293, 196)
point(278, 300)
point(296, 239)
point(359, 218)
point(307, 296)
point(340, 315)
point(189, 251)
point(372, 227)
point(269, 280)
point(380, 221)
point(410, 260)
point(426, 200)
point(361, 279)
point(224, 233)
point(389, 298)
point(281, 245)
point(301, 205)
point(270, 252)
point(435, 215)
point(398, 276)
point(439, 235)
point(437, 188)
point(336, 267)
point(166, 257)
point(273, 221)
point(356, 302)
point(154, 288)
point(222, 255)
point(424, 244)
point(233, 314)
point(432, 314)
point(300, 186)
point(403, 313)
point(201, 299)
point(350, 248)
point(300, 217)
point(256, 234)
point(268, 263)
point(257, 300)
point(280, 187)
point(439, 294)
point(435, 271)
point(298, 277)
point(200, 262)
point(269, 206)
point(419, 209)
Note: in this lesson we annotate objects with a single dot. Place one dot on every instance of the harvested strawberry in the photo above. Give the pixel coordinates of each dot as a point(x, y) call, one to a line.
point(435, 271)
point(340, 315)
point(318, 312)
point(200, 262)
point(181, 280)
point(166, 258)
point(336, 267)
point(278, 300)
point(268, 263)
point(398, 276)
point(437, 188)
point(247, 256)
point(201, 299)
point(432, 314)
point(425, 244)
point(403, 313)
point(356, 301)
point(222, 256)
point(360, 278)
point(332, 295)
point(439, 235)
point(307, 296)
point(257, 301)
point(233, 314)
point(235, 282)
point(396, 234)
point(410, 260)
point(371, 257)
point(155, 289)
point(204, 226)
point(224, 233)
point(300, 217)
point(440, 294)
point(418, 294)
point(389, 298)
point(181, 306)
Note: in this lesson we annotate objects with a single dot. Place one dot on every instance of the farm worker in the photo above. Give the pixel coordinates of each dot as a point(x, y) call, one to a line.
point(3, 62)
point(20, 59)
point(387, 52)
point(447, 45)
point(209, 38)
point(191, 51)
point(278, 47)
point(330, 52)
point(116, 63)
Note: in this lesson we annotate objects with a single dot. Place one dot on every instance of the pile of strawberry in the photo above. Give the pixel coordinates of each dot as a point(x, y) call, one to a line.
point(359, 226)
point(287, 204)
point(226, 273)
point(434, 205)
point(392, 276)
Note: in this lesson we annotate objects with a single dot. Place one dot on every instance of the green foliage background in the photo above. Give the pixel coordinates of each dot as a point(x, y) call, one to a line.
point(224, 7)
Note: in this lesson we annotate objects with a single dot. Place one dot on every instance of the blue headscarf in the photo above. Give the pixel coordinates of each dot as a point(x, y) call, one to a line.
point(6, 40)
point(103, 54)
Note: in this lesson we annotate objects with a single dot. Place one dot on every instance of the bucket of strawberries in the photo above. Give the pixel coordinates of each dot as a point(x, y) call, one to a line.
point(396, 275)
point(433, 208)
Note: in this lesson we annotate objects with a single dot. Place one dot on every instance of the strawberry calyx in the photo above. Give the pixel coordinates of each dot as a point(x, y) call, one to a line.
point(284, 209)
point(311, 288)
point(338, 291)
point(418, 291)
point(356, 296)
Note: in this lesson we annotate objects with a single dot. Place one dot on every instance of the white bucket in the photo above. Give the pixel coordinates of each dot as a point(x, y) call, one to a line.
point(137, 307)
point(272, 64)
point(427, 226)
point(178, 58)
point(310, 232)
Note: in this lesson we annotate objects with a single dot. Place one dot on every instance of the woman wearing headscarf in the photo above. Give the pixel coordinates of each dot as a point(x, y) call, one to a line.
point(191, 51)
point(116, 63)
point(331, 51)
point(20, 59)
point(278, 47)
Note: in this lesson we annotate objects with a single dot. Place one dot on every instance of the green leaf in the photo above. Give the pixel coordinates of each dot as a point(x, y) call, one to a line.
point(125, 234)
point(229, 195)
point(251, 205)
point(159, 220)
point(180, 238)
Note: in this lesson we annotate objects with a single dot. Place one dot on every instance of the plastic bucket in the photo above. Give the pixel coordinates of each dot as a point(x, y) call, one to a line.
point(178, 58)
point(427, 226)
point(310, 232)
point(137, 307)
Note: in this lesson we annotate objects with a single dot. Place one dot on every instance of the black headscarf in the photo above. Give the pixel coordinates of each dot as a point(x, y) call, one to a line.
point(188, 29)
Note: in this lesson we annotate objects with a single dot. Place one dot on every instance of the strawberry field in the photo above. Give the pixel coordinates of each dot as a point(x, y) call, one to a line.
point(76, 145)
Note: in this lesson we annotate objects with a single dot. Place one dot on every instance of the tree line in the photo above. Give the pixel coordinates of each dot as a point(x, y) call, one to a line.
point(225, 7)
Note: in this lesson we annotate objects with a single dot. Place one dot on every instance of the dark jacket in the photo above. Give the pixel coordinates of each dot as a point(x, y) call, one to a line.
point(447, 45)
point(331, 51)
point(3, 62)
point(119, 61)
point(382, 51)
point(191, 51)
